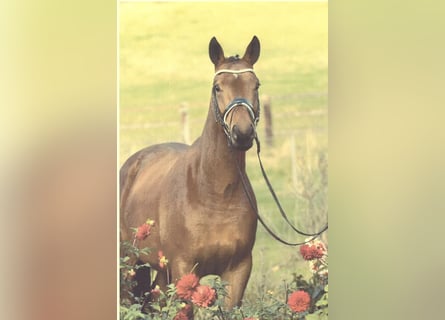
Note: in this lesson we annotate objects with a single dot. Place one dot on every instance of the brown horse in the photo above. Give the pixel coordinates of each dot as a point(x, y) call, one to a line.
point(204, 218)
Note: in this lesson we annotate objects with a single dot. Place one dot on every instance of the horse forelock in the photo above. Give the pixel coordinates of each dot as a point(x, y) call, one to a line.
point(233, 58)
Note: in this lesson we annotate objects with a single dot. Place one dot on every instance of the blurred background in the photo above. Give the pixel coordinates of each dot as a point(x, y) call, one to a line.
point(58, 93)
point(165, 83)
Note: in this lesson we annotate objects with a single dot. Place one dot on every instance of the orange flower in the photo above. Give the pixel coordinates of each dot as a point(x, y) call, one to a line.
point(186, 286)
point(162, 259)
point(204, 296)
point(299, 301)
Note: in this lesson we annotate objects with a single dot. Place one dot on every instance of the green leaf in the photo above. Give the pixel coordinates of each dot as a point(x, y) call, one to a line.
point(322, 302)
point(210, 280)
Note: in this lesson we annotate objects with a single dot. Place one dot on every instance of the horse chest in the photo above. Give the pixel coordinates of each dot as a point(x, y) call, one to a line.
point(223, 240)
point(214, 253)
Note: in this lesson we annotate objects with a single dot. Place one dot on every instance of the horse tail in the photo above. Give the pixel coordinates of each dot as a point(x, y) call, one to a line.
point(128, 174)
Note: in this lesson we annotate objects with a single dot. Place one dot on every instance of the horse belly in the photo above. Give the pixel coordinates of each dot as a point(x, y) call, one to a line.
point(143, 200)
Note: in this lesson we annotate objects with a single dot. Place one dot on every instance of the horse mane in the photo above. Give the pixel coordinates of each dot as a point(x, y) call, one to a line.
point(233, 58)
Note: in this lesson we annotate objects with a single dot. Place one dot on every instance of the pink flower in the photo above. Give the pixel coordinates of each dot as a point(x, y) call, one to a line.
point(204, 296)
point(162, 259)
point(313, 251)
point(184, 313)
point(186, 286)
point(143, 231)
point(299, 301)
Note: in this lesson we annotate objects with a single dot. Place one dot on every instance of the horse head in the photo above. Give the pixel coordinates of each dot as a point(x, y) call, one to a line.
point(235, 93)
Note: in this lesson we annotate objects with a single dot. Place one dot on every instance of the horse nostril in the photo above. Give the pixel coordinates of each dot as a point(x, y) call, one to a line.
point(247, 134)
point(235, 132)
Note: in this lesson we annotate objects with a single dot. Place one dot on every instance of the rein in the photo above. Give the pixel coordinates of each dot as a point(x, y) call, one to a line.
point(283, 214)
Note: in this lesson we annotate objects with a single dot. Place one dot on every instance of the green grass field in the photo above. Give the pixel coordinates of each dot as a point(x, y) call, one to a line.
point(164, 62)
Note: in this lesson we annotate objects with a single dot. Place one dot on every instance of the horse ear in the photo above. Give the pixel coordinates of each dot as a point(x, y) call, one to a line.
point(216, 52)
point(253, 51)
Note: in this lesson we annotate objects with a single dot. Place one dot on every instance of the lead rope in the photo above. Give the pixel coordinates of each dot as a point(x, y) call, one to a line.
point(255, 209)
point(283, 214)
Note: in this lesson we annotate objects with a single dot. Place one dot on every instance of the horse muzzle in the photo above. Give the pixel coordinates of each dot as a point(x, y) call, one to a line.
point(242, 139)
point(240, 135)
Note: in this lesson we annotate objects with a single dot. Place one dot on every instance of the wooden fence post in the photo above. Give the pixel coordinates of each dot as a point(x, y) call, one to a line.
point(267, 106)
point(183, 109)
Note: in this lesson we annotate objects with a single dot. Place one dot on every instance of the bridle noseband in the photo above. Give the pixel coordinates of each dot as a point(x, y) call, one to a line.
point(221, 118)
point(244, 103)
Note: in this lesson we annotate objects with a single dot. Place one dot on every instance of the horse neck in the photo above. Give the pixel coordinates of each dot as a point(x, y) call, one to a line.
point(217, 162)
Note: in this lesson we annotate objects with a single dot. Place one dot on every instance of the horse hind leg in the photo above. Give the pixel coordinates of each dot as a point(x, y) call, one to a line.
point(143, 281)
point(161, 280)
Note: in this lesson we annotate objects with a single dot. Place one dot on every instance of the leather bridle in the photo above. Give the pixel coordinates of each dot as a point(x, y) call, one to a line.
point(221, 118)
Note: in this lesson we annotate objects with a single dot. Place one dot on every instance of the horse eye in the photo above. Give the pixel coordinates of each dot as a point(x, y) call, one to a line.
point(217, 88)
point(257, 86)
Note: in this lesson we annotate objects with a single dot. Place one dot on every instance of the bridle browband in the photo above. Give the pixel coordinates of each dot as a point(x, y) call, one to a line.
point(234, 71)
point(221, 118)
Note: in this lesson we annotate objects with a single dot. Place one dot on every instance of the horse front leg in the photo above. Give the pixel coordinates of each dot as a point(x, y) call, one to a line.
point(237, 278)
